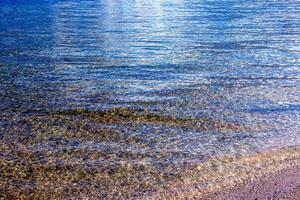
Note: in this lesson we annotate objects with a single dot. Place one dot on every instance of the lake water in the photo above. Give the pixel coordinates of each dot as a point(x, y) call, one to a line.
point(163, 83)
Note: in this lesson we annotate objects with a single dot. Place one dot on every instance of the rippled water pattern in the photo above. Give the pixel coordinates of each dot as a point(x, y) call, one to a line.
point(162, 82)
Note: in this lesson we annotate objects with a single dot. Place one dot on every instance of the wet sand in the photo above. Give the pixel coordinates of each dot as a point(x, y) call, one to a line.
point(268, 175)
point(284, 184)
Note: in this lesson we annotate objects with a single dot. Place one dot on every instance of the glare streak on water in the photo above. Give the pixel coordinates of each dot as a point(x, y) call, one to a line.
point(232, 61)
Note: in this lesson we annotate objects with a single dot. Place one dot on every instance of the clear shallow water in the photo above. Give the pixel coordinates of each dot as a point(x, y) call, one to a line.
point(227, 61)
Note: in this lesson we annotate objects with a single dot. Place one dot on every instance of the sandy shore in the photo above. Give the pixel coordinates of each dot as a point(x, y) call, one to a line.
point(284, 184)
point(261, 176)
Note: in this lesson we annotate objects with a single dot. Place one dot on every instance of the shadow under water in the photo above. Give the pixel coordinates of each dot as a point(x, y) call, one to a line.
point(126, 115)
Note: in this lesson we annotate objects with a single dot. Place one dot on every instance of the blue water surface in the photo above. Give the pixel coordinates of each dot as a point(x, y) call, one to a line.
point(233, 60)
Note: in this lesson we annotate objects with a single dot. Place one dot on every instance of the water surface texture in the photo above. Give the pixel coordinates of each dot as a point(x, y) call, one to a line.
point(148, 88)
